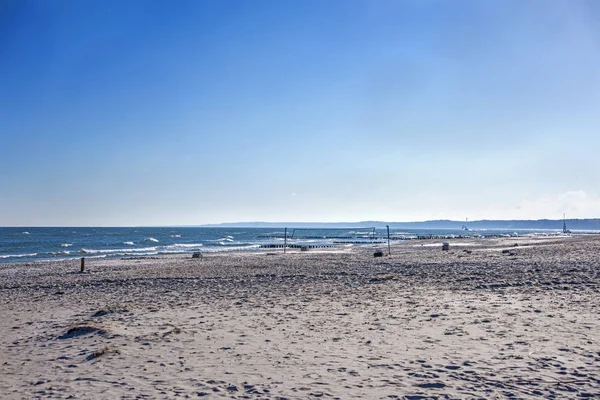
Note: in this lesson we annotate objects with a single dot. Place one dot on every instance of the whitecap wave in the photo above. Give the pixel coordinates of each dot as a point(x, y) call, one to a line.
point(18, 255)
point(231, 248)
point(151, 239)
point(175, 236)
point(66, 245)
point(183, 245)
point(117, 251)
point(25, 233)
point(128, 243)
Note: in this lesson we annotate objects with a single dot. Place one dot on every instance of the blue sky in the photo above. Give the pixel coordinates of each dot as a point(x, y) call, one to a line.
point(190, 112)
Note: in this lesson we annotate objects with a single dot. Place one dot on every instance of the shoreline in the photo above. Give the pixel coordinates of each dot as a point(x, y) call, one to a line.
point(473, 321)
point(335, 244)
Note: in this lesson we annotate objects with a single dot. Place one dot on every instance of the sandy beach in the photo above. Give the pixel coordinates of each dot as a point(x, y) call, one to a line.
point(491, 318)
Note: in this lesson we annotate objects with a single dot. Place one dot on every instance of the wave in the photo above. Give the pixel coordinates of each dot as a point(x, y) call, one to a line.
point(18, 255)
point(175, 236)
point(25, 233)
point(231, 248)
point(114, 251)
point(151, 239)
point(60, 253)
point(66, 245)
point(183, 245)
point(129, 243)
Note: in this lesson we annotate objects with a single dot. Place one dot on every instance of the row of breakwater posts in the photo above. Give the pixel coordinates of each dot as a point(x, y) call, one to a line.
point(343, 240)
point(364, 240)
point(371, 239)
point(302, 247)
point(360, 236)
point(338, 240)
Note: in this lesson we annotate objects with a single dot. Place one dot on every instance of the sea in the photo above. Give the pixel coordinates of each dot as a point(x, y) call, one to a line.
point(45, 243)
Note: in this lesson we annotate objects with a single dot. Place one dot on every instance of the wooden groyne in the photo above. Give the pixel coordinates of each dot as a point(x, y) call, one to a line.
point(371, 239)
point(359, 242)
point(313, 237)
point(297, 246)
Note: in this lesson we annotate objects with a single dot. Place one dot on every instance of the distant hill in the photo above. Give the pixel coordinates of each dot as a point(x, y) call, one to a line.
point(572, 224)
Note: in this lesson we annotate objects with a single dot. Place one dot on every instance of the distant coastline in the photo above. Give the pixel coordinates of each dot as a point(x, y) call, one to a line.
point(545, 224)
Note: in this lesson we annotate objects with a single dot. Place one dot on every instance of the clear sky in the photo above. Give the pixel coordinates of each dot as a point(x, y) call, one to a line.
point(189, 112)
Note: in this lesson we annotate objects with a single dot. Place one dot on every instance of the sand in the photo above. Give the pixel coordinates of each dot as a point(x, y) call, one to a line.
point(484, 320)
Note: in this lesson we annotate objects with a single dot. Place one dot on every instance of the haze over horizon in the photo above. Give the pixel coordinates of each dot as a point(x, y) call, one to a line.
point(141, 113)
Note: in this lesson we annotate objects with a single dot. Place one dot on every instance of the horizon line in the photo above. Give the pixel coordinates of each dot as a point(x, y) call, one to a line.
point(241, 223)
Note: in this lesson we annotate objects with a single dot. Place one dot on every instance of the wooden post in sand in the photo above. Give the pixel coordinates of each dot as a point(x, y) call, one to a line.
point(82, 264)
point(389, 248)
point(285, 241)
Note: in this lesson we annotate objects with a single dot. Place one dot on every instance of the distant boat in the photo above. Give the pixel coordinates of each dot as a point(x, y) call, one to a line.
point(464, 227)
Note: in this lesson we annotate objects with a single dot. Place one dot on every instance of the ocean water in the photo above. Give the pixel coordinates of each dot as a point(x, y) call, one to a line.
point(30, 244)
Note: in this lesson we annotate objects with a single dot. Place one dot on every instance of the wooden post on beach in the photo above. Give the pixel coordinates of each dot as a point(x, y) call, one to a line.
point(82, 264)
point(285, 241)
point(389, 248)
